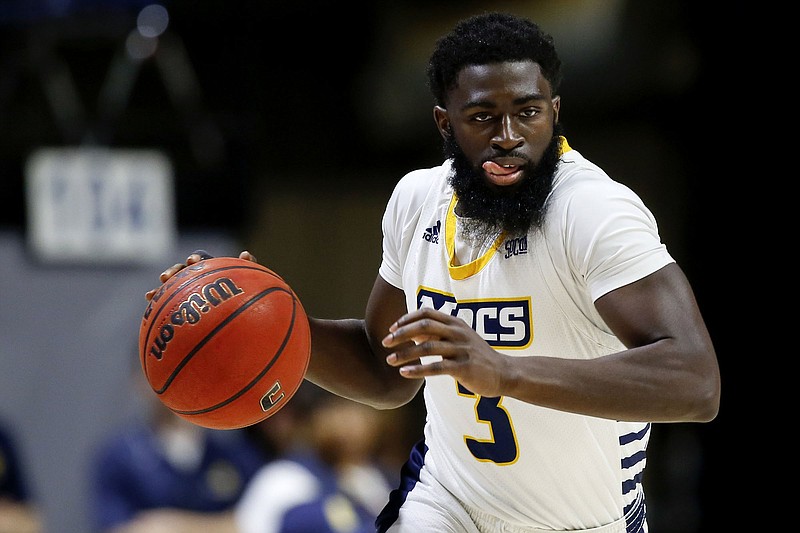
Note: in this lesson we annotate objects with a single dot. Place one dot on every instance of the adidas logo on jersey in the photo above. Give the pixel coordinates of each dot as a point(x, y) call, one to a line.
point(432, 234)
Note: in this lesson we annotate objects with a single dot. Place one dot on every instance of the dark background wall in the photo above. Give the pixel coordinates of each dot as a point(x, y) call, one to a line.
point(288, 124)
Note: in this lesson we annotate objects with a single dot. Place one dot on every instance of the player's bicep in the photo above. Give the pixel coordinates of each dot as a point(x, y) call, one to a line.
point(659, 317)
point(386, 304)
point(658, 306)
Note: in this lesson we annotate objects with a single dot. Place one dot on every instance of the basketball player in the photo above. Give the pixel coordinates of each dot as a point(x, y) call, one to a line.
point(325, 477)
point(163, 473)
point(532, 296)
point(19, 512)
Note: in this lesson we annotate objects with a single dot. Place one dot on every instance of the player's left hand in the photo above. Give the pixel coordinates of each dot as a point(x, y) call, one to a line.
point(194, 257)
point(465, 355)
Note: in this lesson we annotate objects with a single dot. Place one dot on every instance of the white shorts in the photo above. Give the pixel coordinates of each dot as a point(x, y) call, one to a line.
point(429, 507)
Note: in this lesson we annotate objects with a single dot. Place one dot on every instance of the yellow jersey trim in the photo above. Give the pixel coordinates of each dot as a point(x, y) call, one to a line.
point(460, 272)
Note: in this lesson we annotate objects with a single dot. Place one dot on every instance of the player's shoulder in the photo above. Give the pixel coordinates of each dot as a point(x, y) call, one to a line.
point(422, 180)
point(580, 180)
point(415, 187)
point(285, 473)
point(236, 447)
point(577, 172)
point(125, 448)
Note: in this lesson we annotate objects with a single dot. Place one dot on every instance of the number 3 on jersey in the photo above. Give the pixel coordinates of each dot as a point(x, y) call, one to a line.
point(501, 448)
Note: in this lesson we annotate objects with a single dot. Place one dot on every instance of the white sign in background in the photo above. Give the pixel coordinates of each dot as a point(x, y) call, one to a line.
point(100, 205)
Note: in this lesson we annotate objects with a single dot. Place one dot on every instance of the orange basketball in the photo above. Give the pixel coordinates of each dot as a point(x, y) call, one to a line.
point(225, 343)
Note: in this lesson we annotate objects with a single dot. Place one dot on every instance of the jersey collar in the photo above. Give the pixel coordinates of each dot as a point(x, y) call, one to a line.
point(460, 272)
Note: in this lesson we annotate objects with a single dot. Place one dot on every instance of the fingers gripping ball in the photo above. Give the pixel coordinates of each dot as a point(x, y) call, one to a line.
point(225, 343)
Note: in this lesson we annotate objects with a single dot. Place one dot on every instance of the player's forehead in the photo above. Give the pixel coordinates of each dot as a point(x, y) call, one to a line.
point(491, 81)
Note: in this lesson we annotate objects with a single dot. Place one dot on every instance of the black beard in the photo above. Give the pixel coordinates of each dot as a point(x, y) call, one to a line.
point(492, 210)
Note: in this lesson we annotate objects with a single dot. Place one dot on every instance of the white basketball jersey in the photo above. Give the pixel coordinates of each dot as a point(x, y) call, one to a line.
point(528, 296)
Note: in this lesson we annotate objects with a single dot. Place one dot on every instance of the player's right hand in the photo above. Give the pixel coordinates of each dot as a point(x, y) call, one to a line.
point(194, 257)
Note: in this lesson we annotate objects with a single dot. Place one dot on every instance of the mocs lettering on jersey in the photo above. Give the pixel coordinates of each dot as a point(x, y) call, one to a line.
point(191, 311)
point(503, 323)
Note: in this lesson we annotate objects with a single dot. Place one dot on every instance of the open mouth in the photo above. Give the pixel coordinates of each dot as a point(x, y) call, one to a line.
point(503, 171)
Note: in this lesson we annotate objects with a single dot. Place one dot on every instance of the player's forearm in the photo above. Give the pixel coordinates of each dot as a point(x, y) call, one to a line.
point(344, 362)
point(651, 383)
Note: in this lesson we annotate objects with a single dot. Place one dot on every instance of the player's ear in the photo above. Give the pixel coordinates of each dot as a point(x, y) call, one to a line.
point(442, 121)
point(556, 108)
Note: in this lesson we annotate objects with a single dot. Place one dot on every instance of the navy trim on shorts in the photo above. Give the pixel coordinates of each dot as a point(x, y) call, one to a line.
point(636, 513)
point(636, 516)
point(409, 475)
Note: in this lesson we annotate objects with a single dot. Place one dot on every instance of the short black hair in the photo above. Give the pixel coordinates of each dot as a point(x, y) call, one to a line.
point(491, 38)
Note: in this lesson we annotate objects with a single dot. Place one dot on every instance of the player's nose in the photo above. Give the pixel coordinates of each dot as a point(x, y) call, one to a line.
point(507, 137)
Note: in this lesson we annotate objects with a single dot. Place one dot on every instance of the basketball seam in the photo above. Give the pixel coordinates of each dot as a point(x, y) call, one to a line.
point(199, 345)
point(176, 290)
point(260, 375)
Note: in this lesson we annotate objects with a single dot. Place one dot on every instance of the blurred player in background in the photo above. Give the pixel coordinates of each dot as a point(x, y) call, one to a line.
point(18, 514)
point(169, 475)
point(326, 477)
point(532, 296)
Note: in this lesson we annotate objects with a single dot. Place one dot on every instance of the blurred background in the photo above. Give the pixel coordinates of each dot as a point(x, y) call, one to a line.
point(132, 132)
